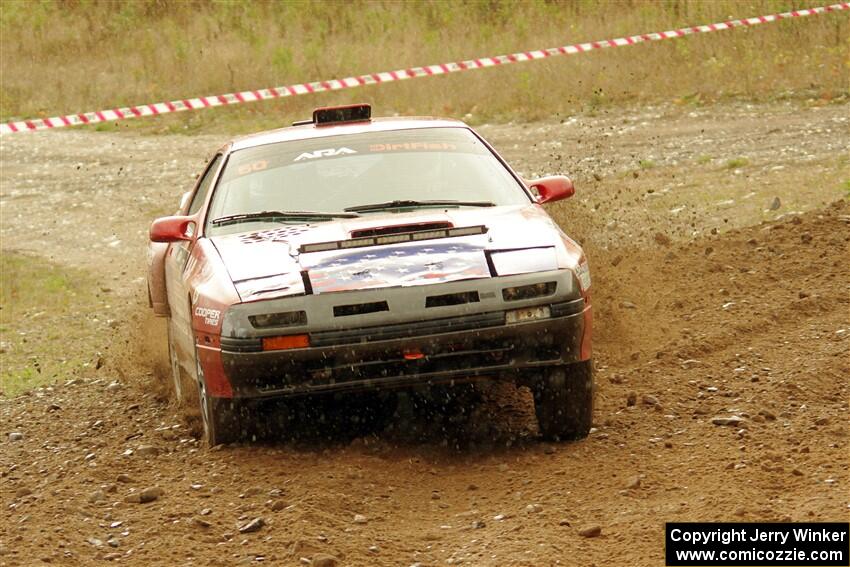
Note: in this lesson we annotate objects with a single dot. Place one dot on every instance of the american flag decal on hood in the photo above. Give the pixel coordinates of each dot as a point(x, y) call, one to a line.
point(391, 266)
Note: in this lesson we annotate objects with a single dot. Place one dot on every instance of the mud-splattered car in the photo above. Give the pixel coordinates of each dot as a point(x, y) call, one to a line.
point(347, 254)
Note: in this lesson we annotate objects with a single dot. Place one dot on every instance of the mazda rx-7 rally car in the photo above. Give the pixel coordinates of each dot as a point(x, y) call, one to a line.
point(347, 254)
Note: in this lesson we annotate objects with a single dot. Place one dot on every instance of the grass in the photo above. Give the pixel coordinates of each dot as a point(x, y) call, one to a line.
point(48, 319)
point(80, 55)
point(738, 162)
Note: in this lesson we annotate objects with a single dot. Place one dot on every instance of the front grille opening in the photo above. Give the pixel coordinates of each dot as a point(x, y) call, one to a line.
point(452, 299)
point(286, 319)
point(399, 229)
point(529, 291)
point(360, 308)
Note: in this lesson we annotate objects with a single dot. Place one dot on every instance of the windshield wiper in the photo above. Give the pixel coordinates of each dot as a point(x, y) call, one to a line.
point(283, 215)
point(410, 203)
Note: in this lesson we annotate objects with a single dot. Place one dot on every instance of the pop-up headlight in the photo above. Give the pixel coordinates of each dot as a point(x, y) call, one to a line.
point(525, 261)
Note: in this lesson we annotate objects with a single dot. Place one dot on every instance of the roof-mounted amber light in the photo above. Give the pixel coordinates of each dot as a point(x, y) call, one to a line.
point(338, 114)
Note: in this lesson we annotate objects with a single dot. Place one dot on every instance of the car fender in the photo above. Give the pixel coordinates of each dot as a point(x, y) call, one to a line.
point(211, 292)
point(157, 295)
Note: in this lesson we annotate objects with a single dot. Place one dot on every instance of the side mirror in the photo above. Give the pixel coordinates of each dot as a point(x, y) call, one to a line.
point(552, 188)
point(173, 229)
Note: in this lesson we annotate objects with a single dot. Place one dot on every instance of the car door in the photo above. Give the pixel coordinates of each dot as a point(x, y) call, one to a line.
point(176, 259)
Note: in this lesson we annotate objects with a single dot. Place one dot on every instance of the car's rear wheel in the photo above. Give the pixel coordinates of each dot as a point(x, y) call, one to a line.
point(223, 418)
point(563, 401)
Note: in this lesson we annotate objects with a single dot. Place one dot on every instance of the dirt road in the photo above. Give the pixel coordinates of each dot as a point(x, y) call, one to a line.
point(719, 244)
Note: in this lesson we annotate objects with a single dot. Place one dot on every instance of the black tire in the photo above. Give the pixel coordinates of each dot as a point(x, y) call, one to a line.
point(563, 401)
point(223, 419)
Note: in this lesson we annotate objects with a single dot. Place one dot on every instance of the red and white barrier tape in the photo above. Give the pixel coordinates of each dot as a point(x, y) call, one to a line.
point(389, 76)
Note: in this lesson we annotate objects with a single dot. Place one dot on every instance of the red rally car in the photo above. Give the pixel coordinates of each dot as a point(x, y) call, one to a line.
point(347, 254)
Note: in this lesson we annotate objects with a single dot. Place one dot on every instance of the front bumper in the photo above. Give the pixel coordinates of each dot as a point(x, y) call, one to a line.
point(444, 350)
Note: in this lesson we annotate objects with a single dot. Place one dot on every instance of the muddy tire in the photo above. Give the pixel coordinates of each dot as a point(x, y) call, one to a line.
point(563, 401)
point(223, 419)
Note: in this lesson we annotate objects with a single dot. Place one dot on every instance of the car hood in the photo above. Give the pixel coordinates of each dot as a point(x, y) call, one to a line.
point(267, 263)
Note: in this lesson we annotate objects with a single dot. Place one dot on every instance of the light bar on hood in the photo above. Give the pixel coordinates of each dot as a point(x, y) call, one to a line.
point(393, 239)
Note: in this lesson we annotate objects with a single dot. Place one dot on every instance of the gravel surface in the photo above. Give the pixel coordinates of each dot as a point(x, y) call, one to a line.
point(721, 342)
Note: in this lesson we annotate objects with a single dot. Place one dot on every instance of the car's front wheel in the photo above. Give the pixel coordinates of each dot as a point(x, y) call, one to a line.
point(223, 418)
point(174, 361)
point(563, 401)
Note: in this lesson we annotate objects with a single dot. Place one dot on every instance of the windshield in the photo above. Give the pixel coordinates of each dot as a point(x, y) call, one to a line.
point(336, 173)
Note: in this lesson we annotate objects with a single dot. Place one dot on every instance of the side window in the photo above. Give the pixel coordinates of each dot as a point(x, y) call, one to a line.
point(204, 186)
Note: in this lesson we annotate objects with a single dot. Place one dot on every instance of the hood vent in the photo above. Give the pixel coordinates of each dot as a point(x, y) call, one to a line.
point(399, 229)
